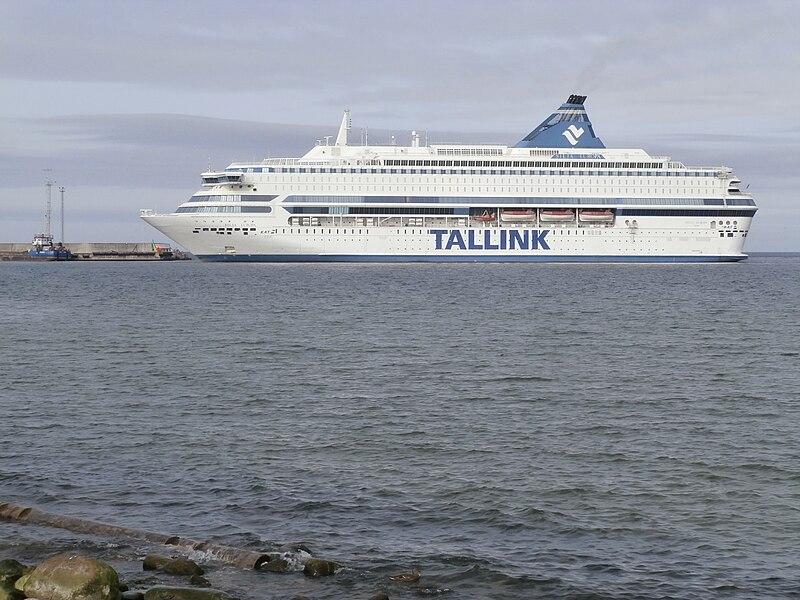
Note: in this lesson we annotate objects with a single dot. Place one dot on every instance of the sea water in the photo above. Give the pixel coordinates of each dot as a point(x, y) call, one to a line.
point(512, 431)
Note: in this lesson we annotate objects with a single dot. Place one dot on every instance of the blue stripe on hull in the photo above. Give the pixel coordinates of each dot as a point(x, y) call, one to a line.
point(389, 258)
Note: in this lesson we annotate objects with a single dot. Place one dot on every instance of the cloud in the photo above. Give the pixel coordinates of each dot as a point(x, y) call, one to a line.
point(160, 150)
point(445, 61)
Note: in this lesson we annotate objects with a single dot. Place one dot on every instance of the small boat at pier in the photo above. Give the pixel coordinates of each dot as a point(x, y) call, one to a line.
point(43, 248)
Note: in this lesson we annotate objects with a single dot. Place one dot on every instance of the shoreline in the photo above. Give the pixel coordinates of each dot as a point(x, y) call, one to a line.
point(137, 251)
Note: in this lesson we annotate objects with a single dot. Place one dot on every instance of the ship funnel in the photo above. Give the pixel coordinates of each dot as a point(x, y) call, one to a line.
point(568, 127)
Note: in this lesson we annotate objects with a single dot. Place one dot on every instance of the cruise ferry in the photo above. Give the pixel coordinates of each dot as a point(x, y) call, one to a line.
point(557, 195)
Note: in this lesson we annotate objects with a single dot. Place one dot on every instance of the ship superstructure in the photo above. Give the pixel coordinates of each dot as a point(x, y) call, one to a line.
point(557, 195)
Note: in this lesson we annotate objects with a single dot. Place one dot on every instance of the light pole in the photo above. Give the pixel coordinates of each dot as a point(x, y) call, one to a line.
point(61, 189)
point(49, 185)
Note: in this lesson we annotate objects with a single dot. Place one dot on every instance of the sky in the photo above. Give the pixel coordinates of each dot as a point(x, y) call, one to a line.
point(124, 104)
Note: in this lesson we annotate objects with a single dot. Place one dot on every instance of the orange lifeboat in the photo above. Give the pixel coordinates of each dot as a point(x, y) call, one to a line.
point(517, 215)
point(557, 215)
point(596, 215)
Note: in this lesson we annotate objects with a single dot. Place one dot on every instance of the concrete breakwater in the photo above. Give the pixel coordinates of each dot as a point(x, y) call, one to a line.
point(102, 251)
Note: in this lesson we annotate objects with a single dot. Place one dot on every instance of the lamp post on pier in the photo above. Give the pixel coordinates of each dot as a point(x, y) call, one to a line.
point(61, 189)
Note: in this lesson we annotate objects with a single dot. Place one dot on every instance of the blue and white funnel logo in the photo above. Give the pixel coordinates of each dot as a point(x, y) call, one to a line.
point(573, 134)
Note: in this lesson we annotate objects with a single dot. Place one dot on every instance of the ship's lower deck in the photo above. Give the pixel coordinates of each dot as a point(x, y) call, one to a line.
point(455, 239)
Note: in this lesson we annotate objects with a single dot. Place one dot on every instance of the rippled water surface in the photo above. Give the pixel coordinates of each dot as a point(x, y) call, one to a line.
point(514, 431)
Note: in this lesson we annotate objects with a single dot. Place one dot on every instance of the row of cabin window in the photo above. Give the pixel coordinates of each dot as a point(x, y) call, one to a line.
point(552, 172)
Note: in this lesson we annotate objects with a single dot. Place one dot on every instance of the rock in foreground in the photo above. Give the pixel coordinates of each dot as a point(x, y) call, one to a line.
point(11, 570)
point(318, 567)
point(70, 577)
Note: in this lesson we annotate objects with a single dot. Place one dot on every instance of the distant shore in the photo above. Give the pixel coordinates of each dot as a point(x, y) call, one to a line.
point(18, 251)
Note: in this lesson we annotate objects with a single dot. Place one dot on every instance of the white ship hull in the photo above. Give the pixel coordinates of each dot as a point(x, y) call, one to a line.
point(691, 240)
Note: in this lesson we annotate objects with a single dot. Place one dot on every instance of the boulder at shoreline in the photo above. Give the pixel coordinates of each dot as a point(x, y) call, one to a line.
point(72, 577)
